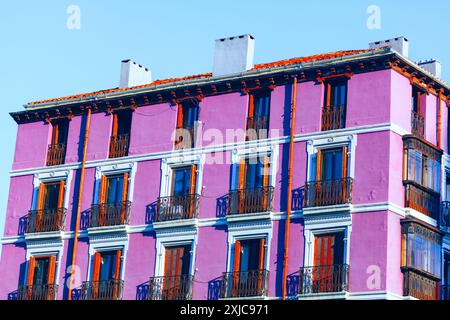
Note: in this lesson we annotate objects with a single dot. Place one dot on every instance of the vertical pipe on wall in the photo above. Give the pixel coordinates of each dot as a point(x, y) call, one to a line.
point(80, 194)
point(289, 187)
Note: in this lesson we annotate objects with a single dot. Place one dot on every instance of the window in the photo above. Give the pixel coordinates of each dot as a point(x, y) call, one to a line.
point(184, 181)
point(329, 182)
point(120, 135)
point(40, 279)
point(113, 207)
point(187, 119)
point(250, 186)
point(106, 281)
point(417, 119)
point(258, 115)
point(57, 149)
point(421, 259)
point(335, 103)
point(249, 276)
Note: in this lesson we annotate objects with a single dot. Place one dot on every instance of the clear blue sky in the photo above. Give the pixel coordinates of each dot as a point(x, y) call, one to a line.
point(41, 58)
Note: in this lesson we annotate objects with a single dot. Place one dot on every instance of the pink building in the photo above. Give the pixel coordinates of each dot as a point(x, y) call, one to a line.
point(180, 188)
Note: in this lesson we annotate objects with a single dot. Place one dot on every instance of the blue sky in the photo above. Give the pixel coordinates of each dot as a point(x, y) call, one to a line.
point(41, 58)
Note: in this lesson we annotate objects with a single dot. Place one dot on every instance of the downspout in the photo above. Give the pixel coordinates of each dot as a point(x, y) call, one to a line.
point(80, 196)
point(289, 188)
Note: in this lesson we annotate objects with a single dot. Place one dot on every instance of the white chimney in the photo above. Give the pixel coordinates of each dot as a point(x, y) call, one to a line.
point(399, 44)
point(133, 74)
point(233, 55)
point(433, 66)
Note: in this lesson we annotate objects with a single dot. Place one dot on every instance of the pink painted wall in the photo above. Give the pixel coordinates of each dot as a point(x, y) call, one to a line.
point(309, 105)
point(396, 188)
point(394, 276)
point(74, 140)
point(31, 145)
point(19, 203)
point(151, 129)
point(99, 135)
point(401, 101)
point(12, 266)
point(431, 118)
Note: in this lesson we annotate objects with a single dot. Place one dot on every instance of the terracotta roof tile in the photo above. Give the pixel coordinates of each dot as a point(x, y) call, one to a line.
point(280, 63)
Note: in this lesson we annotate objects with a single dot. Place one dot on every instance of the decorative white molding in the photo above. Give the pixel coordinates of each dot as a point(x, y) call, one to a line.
point(111, 169)
point(57, 174)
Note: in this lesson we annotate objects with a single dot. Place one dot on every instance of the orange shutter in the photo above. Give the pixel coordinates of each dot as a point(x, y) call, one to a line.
point(125, 187)
point(41, 196)
point(103, 188)
point(262, 253)
point(55, 133)
point(118, 264)
point(193, 181)
point(241, 186)
point(51, 270)
point(251, 105)
point(115, 124)
point(237, 256)
point(96, 267)
point(266, 183)
point(344, 162)
point(62, 189)
point(180, 116)
point(319, 165)
point(31, 266)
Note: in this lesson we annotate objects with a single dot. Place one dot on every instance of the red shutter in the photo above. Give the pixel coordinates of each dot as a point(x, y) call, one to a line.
point(55, 133)
point(118, 264)
point(236, 268)
point(115, 125)
point(319, 165)
point(62, 190)
point(31, 266)
point(180, 116)
point(97, 266)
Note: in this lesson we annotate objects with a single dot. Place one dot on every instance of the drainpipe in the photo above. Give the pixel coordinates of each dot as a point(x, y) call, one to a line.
point(289, 188)
point(80, 196)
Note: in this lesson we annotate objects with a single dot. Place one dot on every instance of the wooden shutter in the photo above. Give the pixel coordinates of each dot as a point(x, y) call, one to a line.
point(237, 256)
point(180, 116)
point(103, 188)
point(319, 165)
point(55, 133)
point(31, 266)
point(345, 182)
point(41, 196)
point(62, 190)
point(118, 264)
point(192, 185)
point(96, 267)
point(115, 125)
point(241, 186)
point(261, 267)
point(51, 269)
point(251, 105)
point(266, 175)
point(125, 186)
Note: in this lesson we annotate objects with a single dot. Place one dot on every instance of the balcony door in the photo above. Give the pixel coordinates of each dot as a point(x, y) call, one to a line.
point(182, 203)
point(187, 117)
point(258, 115)
point(248, 268)
point(177, 264)
point(328, 266)
point(120, 134)
point(106, 275)
point(48, 216)
point(333, 115)
point(57, 147)
point(41, 278)
point(112, 207)
point(332, 164)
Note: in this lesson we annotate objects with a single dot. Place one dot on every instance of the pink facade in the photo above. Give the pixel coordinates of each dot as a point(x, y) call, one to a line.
point(377, 117)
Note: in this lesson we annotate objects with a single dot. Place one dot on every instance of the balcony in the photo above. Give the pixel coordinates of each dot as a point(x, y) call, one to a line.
point(245, 284)
point(185, 137)
point(171, 288)
point(177, 208)
point(118, 145)
point(417, 124)
point(46, 220)
point(102, 290)
point(417, 285)
point(37, 292)
point(445, 216)
point(323, 279)
point(422, 199)
point(56, 154)
point(445, 292)
point(333, 118)
point(328, 192)
point(110, 214)
point(257, 128)
point(250, 200)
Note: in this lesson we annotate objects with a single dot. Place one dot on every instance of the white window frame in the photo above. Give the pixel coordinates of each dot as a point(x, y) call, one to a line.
point(101, 245)
point(108, 170)
point(42, 249)
point(52, 176)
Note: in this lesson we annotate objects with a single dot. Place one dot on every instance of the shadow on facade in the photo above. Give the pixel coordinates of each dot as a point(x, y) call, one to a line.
point(142, 291)
point(222, 206)
point(214, 288)
point(150, 212)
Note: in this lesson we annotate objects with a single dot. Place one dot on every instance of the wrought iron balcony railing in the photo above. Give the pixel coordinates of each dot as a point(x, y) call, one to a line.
point(245, 284)
point(323, 279)
point(417, 124)
point(445, 215)
point(422, 199)
point(445, 292)
point(46, 220)
point(420, 286)
point(102, 290)
point(37, 292)
point(328, 192)
point(171, 288)
point(110, 214)
point(118, 145)
point(185, 137)
point(177, 207)
point(333, 117)
point(257, 128)
point(56, 154)
point(250, 200)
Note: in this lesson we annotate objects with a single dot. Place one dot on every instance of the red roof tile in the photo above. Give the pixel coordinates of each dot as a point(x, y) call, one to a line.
point(280, 63)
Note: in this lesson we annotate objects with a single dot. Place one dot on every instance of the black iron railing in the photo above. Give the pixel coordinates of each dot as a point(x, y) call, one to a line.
point(185, 137)
point(445, 214)
point(333, 117)
point(250, 200)
point(110, 214)
point(118, 145)
point(245, 284)
point(56, 154)
point(328, 192)
point(37, 292)
point(171, 288)
point(422, 199)
point(420, 286)
point(445, 292)
point(323, 279)
point(102, 290)
point(177, 207)
point(257, 128)
point(417, 124)
point(46, 220)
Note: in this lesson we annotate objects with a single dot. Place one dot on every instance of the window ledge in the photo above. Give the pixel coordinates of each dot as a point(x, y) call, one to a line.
point(107, 230)
point(44, 235)
point(175, 223)
point(409, 212)
point(327, 209)
point(240, 217)
point(323, 296)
